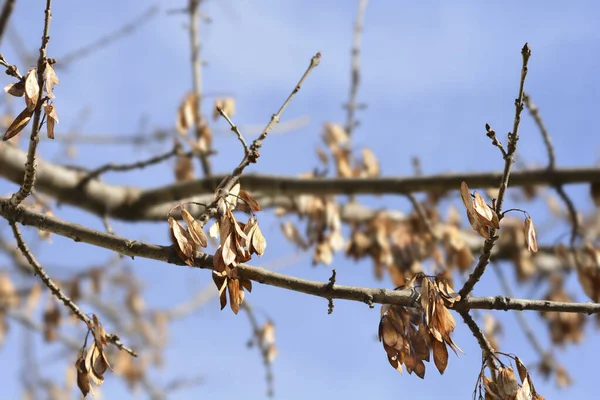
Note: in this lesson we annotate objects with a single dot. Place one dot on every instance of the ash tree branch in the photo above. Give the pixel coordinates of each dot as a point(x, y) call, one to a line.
point(352, 104)
point(56, 291)
point(264, 350)
point(5, 15)
point(529, 334)
point(29, 178)
point(252, 153)
point(132, 203)
point(194, 14)
point(235, 129)
point(134, 248)
point(509, 159)
point(131, 166)
point(484, 344)
point(535, 113)
point(108, 39)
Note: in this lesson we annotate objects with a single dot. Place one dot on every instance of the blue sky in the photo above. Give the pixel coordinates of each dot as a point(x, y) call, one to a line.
point(433, 73)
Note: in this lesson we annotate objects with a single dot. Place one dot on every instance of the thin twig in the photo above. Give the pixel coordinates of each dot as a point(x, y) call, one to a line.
point(520, 317)
point(194, 14)
point(513, 138)
point(484, 344)
point(423, 216)
point(56, 291)
point(30, 166)
point(161, 135)
point(495, 142)
point(235, 129)
point(264, 349)
point(134, 248)
point(252, 155)
point(535, 113)
point(39, 270)
point(130, 166)
point(5, 14)
point(108, 39)
point(352, 105)
point(11, 70)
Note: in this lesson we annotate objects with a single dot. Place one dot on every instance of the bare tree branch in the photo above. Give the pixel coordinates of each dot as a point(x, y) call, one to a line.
point(104, 41)
point(262, 346)
point(134, 248)
point(352, 104)
point(57, 292)
point(131, 203)
point(30, 166)
point(194, 13)
point(5, 14)
point(535, 113)
point(509, 159)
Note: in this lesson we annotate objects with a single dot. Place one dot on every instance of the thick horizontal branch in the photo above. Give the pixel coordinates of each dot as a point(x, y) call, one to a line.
point(509, 303)
point(292, 186)
point(167, 254)
point(135, 204)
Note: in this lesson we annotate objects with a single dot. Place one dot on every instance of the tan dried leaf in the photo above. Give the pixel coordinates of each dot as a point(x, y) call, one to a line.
point(33, 297)
point(18, 124)
point(335, 135)
point(83, 375)
point(195, 231)
point(16, 89)
point(370, 163)
point(52, 318)
point(183, 242)
point(485, 211)
point(186, 113)
point(563, 379)
point(8, 295)
point(220, 281)
point(342, 162)
point(249, 200)
point(507, 383)
point(184, 168)
point(267, 333)
point(481, 216)
point(530, 239)
point(293, 234)
point(258, 243)
point(232, 197)
point(213, 231)
point(96, 363)
point(440, 355)
point(491, 389)
point(524, 392)
point(51, 80)
point(233, 286)
point(51, 119)
point(322, 156)
point(32, 90)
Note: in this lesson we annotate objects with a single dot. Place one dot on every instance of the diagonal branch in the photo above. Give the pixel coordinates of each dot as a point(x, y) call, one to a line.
point(535, 113)
point(29, 178)
point(5, 14)
point(509, 159)
point(104, 41)
point(56, 291)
